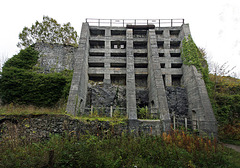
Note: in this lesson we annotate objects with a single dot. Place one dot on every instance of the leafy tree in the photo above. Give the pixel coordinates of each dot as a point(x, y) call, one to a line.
point(48, 31)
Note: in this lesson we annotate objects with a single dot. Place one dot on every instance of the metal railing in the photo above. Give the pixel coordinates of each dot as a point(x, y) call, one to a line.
point(125, 22)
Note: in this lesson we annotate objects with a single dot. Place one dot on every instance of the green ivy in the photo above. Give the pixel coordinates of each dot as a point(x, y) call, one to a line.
point(191, 55)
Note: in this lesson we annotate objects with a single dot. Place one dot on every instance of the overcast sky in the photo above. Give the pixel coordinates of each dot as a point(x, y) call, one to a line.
point(214, 24)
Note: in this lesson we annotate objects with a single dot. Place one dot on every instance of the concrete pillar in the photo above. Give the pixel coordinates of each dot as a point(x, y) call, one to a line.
point(198, 100)
point(107, 79)
point(130, 77)
point(78, 91)
point(157, 95)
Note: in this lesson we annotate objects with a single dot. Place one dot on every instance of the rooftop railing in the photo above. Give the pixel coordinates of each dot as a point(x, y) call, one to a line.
point(125, 22)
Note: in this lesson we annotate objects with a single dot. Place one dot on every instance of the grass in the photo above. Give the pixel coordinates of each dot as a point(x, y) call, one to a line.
point(177, 149)
point(26, 110)
point(32, 110)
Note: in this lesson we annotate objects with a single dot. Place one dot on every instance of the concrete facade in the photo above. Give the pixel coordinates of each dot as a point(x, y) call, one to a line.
point(145, 60)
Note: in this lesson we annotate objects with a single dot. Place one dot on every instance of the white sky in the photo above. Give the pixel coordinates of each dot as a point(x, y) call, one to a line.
point(214, 24)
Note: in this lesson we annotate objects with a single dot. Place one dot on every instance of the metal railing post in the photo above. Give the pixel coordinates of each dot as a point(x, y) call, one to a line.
point(186, 124)
point(111, 111)
point(98, 22)
point(174, 122)
point(171, 22)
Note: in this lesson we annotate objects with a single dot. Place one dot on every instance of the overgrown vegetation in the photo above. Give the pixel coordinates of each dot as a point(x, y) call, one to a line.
point(176, 149)
point(224, 92)
point(192, 55)
point(20, 84)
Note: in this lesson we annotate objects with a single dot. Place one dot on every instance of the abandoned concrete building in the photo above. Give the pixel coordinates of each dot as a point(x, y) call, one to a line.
point(133, 64)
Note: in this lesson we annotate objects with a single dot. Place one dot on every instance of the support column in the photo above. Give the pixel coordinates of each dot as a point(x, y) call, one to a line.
point(157, 95)
point(130, 78)
point(168, 77)
point(107, 79)
point(78, 91)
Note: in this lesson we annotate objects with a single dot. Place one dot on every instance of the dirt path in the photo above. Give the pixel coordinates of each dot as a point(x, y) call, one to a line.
point(234, 147)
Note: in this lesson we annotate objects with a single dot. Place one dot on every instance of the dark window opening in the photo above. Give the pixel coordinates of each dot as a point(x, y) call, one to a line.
point(174, 32)
point(163, 76)
point(118, 32)
point(97, 32)
point(118, 65)
point(140, 45)
point(176, 65)
point(152, 103)
point(175, 54)
point(118, 44)
point(96, 78)
point(162, 65)
point(141, 80)
point(161, 54)
point(118, 54)
point(95, 65)
point(175, 44)
point(139, 33)
point(140, 54)
point(96, 54)
point(118, 79)
point(160, 44)
point(140, 65)
point(159, 32)
point(97, 44)
point(176, 80)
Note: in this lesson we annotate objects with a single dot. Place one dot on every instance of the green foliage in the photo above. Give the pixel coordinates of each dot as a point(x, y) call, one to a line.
point(143, 113)
point(26, 59)
point(48, 31)
point(21, 85)
point(175, 150)
point(223, 91)
point(192, 55)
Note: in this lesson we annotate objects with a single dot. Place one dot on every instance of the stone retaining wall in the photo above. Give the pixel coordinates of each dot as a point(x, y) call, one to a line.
point(37, 127)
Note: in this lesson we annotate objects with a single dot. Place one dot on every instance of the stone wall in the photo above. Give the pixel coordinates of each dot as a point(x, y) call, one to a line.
point(177, 101)
point(100, 95)
point(37, 127)
point(55, 57)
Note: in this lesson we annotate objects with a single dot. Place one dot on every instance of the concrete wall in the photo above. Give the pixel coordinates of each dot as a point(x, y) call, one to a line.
point(78, 91)
point(55, 57)
point(200, 108)
point(157, 95)
point(130, 78)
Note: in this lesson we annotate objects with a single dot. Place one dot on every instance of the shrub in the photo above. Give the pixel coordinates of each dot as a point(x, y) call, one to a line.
point(19, 84)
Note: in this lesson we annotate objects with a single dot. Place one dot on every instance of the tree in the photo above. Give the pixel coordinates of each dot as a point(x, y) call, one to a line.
point(48, 31)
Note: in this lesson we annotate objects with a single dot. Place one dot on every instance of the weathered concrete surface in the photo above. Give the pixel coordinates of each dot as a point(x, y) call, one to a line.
point(130, 78)
point(200, 108)
point(147, 64)
point(78, 91)
point(55, 57)
point(157, 95)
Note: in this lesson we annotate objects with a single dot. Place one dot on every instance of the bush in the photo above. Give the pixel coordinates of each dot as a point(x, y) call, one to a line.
point(174, 150)
point(19, 84)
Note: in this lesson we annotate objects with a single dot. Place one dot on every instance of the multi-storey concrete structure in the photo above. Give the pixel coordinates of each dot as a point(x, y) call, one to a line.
point(136, 55)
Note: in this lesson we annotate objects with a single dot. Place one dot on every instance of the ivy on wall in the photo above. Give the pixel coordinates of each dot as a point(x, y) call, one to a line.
point(191, 55)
